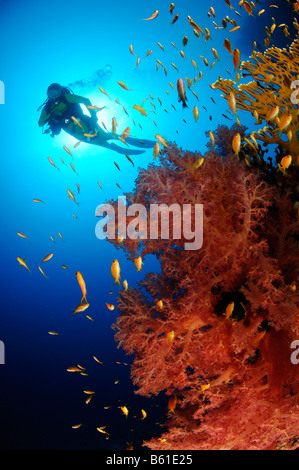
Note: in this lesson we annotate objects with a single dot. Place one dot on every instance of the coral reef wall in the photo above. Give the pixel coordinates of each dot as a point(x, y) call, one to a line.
point(214, 329)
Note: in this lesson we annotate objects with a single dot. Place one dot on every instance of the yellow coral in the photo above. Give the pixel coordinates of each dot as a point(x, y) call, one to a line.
point(273, 73)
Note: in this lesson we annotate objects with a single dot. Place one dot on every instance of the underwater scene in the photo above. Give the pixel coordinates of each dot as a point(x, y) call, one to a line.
point(150, 225)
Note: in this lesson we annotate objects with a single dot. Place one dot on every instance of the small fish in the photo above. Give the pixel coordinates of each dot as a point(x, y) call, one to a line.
point(138, 263)
point(144, 414)
point(22, 235)
point(172, 404)
point(97, 360)
point(185, 41)
point(285, 122)
point(89, 392)
point(76, 426)
point(234, 29)
point(194, 25)
point(67, 150)
point(53, 333)
point(114, 125)
point(125, 410)
point(236, 143)
point(130, 159)
point(42, 272)
point(211, 135)
point(170, 336)
point(175, 18)
point(160, 304)
point(171, 8)
point(157, 150)
point(52, 163)
point(229, 310)
point(23, 263)
point(131, 50)
point(198, 163)
point(95, 108)
point(140, 109)
point(91, 135)
point(47, 258)
point(81, 308)
point(115, 271)
point(37, 200)
point(232, 102)
point(73, 369)
point(154, 15)
point(236, 58)
point(273, 113)
point(228, 46)
point(103, 91)
point(182, 92)
point(116, 165)
point(82, 285)
point(174, 66)
point(161, 140)
point(247, 7)
point(110, 306)
point(76, 121)
point(73, 168)
point(125, 284)
point(285, 162)
point(71, 196)
point(195, 113)
point(160, 45)
point(124, 86)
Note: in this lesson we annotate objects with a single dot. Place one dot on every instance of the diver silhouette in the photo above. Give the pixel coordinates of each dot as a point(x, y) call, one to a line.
point(62, 111)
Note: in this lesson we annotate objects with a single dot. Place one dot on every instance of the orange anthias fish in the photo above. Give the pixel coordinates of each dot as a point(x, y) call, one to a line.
point(232, 102)
point(138, 263)
point(140, 109)
point(172, 404)
point(71, 196)
point(124, 86)
point(52, 163)
point(154, 15)
point(236, 58)
point(229, 310)
point(46, 258)
point(285, 163)
point(182, 92)
point(67, 150)
point(82, 285)
point(236, 143)
point(228, 46)
point(115, 272)
point(22, 263)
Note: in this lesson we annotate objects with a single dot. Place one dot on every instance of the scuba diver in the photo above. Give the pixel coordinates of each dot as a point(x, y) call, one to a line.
point(62, 110)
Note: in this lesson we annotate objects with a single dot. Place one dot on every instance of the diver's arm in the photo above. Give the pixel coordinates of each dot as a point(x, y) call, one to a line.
point(81, 100)
point(44, 117)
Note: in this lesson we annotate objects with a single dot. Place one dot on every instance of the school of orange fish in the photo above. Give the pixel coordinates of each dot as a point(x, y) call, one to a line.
point(249, 8)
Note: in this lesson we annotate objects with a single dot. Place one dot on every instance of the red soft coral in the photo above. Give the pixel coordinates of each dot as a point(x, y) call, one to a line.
point(235, 383)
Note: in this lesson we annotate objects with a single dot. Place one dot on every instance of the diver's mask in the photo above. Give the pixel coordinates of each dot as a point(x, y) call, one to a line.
point(54, 91)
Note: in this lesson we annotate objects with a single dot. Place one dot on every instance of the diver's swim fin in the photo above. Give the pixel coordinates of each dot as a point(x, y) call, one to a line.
point(121, 150)
point(142, 143)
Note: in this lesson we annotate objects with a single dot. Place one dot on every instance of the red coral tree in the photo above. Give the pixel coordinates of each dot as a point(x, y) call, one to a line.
point(235, 383)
